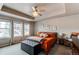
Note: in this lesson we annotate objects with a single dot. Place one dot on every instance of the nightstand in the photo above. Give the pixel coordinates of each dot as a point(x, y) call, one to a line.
point(60, 41)
point(65, 42)
point(68, 43)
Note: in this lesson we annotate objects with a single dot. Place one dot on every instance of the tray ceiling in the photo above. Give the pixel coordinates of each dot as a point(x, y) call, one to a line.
point(50, 9)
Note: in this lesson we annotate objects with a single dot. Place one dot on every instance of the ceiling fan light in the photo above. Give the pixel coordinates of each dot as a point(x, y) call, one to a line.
point(35, 14)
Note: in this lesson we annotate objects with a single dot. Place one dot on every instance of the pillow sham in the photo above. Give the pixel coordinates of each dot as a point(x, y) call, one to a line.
point(44, 35)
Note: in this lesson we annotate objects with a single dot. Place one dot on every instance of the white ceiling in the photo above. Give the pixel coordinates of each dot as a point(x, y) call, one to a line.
point(50, 9)
point(72, 8)
point(22, 7)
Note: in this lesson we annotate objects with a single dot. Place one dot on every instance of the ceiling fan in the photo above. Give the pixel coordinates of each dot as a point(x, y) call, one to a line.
point(36, 11)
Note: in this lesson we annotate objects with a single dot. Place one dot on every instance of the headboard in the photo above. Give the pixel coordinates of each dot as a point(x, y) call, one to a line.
point(51, 34)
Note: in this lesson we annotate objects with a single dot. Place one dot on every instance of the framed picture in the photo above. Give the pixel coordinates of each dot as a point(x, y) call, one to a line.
point(54, 27)
point(47, 27)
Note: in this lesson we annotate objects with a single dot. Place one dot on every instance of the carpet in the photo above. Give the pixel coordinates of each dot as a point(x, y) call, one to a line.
point(16, 50)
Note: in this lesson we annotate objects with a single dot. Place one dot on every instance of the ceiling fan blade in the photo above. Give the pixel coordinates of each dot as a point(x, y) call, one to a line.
point(33, 8)
point(36, 10)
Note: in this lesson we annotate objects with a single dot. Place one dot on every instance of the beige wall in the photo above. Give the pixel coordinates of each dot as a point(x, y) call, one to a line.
point(32, 24)
point(64, 24)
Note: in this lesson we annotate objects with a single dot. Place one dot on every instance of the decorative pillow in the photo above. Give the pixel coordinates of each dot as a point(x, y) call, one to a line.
point(41, 35)
point(69, 36)
point(38, 33)
point(44, 35)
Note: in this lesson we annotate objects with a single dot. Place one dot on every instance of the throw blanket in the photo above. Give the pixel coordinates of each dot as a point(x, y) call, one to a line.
point(35, 38)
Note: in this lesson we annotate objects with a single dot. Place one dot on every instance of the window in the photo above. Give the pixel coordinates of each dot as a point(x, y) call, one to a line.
point(18, 29)
point(5, 29)
point(26, 29)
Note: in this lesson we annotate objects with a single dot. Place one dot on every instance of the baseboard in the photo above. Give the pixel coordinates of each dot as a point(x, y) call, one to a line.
point(4, 45)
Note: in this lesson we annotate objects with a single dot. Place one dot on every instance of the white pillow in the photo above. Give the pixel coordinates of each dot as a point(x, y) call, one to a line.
point(44, 35)
point(41, 35)
point(67, 36)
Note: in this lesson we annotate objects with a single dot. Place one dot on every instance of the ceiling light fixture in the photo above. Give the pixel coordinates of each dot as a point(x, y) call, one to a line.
point(35, 14)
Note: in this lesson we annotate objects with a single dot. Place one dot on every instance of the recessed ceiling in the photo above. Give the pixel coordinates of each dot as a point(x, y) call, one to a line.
point(50, 9)
point(22, 7)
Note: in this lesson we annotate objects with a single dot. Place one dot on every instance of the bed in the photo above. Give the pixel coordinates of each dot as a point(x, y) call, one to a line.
point(46, 42)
